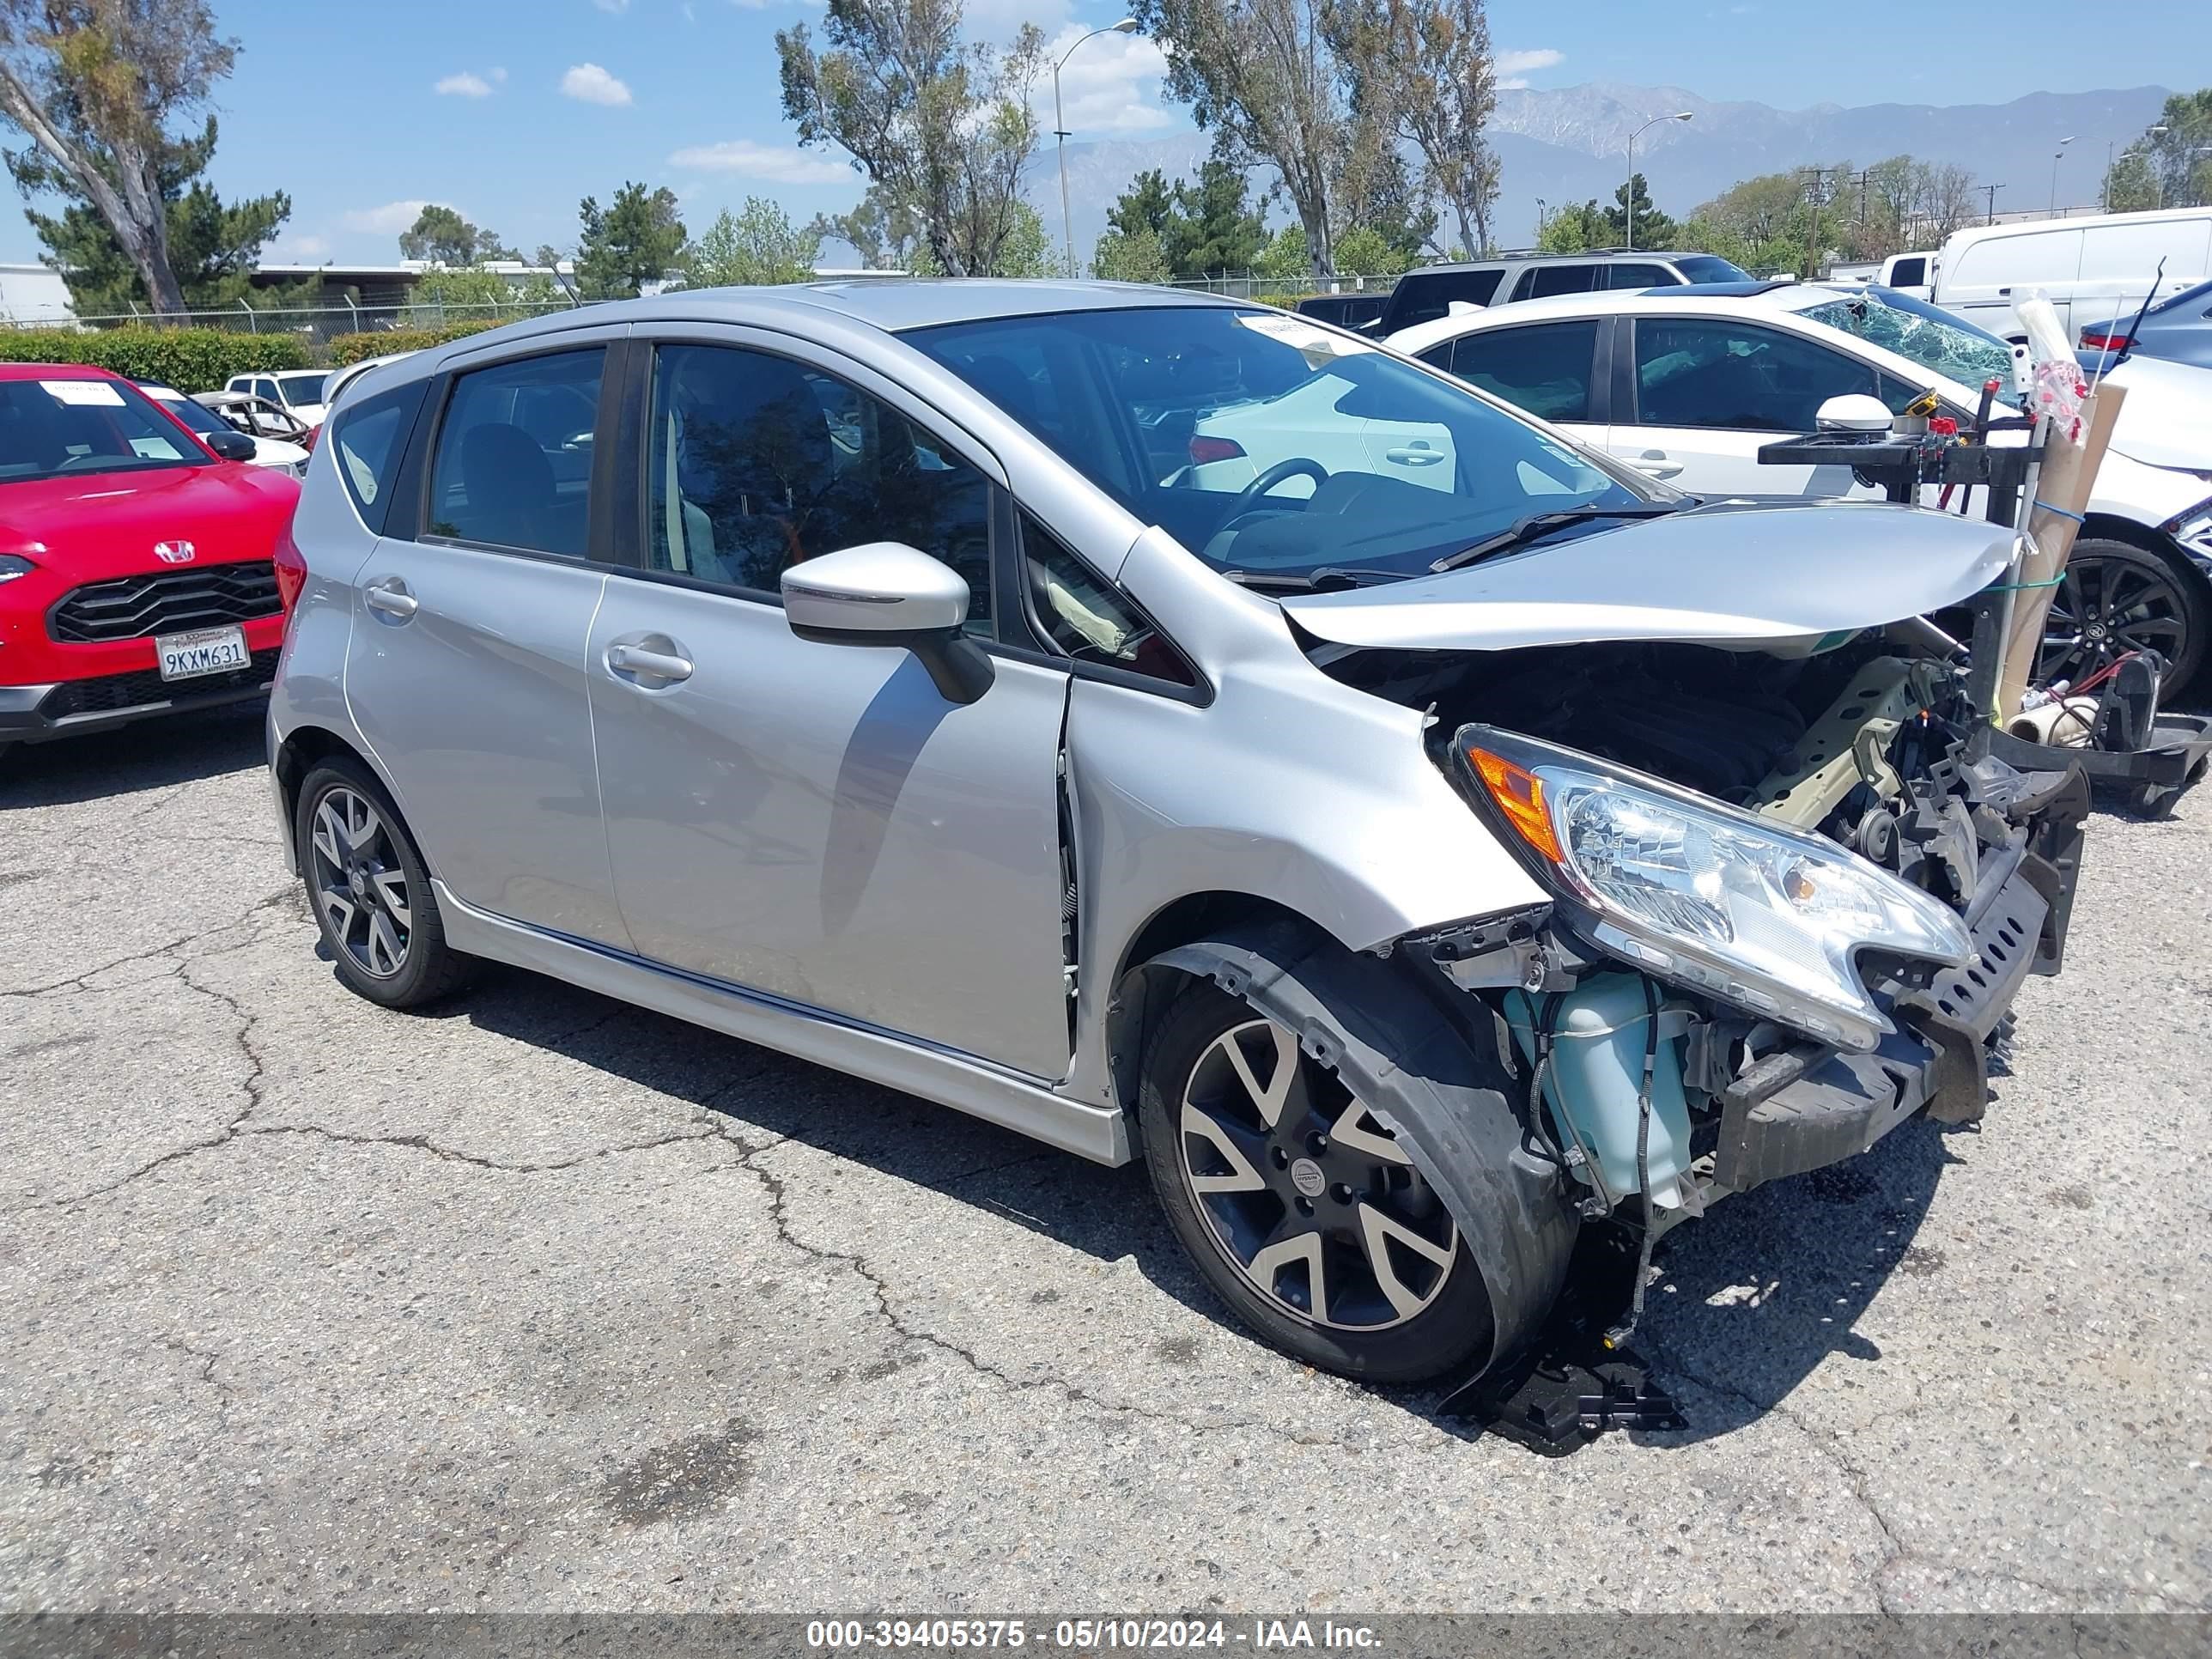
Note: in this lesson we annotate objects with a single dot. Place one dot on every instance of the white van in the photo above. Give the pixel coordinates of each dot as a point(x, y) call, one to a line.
point(2102, 265)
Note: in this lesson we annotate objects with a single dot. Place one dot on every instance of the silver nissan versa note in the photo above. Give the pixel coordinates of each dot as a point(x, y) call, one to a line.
point(1169, 727)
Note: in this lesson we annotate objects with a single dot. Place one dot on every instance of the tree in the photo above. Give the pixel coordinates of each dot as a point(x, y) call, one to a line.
point(1285, 257)
point(1131, 257)
point(95, 85)
point(1212, 227)
point(1653, 227)
point(1574, 228)
point(941, 128)
point(443, 237)
point(1422, 67)
point(213, 247)
point(1264, 76)
point(1025, 250)
point(1148, 205)
point(759, 245)
point(638, 239)
point(1377, 193)
point(2177, 160)
point(885, 235)
point(2131, 185)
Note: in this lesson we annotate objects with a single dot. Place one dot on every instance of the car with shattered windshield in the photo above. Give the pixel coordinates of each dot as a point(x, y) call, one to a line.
point(1412, 863)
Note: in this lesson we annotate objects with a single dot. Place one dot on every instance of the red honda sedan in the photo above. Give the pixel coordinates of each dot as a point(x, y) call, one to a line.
point(137, 572)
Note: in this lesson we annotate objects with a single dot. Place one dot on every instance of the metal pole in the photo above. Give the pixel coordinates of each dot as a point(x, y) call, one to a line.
point(253, 323)
point(1630, 194)
point(1059, 147)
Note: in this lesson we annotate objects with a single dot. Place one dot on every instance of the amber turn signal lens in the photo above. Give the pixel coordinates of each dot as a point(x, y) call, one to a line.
point(1519, 794)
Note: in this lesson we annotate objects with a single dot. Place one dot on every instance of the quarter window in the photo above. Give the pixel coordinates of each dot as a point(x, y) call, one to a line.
point(1544, 368)
point(513, 464)
point(371, 438)
point(1087, 617)
point(1721, 375)
point(759, 463)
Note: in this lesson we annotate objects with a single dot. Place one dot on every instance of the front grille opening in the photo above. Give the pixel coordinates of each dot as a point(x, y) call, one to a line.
point(113, 693)
point(165, 602)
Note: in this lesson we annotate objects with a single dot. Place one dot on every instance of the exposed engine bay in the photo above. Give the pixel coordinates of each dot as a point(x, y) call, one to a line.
point(1669, 1078)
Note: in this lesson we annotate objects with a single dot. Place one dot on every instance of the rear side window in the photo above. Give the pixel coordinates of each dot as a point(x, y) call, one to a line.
point(371, 437)
point(1423, 296)
point(1908, 273)
point(1628, 275)
point(513, 462)
point(1544, 368)
point(1543, 281)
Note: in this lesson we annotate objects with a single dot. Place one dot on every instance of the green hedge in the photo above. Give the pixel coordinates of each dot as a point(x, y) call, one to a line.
point(352, 348)
point(190, 359)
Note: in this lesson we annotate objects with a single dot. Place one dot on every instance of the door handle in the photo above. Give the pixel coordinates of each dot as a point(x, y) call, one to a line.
point(2002, 292)
point(668, 667)
point(388, 595)
point(1419, 455)
point(1654, 463)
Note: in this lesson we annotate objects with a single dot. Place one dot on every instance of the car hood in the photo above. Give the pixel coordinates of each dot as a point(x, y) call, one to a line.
point(95, 525)
point(2166, 420)
point(1745, 574)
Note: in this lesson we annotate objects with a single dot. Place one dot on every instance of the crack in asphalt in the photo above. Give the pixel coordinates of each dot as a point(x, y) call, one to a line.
point(779, 1217)
point(77, 981)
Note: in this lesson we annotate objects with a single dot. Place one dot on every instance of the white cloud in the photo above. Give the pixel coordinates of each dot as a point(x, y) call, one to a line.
point(302, 250)
point(1111, 86)
point(588, 84)
point(612, 8)
point(387, 220)
point(782, 164)
point(1512, 67)
point(467, 84)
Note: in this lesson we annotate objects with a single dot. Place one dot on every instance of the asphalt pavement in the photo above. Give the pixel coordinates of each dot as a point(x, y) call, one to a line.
point(538, 1301)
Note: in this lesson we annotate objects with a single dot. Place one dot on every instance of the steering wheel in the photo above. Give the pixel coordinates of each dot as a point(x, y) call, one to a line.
point(1295, 467)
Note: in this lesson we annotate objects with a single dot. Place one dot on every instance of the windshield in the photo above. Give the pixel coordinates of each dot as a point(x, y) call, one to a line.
point(1270, 446)
point(300, 389)
point(199, 416)
point(52, 427)
point(1710, 268)
point(1913, 328)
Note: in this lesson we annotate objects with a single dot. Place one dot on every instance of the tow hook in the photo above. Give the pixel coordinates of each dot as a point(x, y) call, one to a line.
point(1571, 1384)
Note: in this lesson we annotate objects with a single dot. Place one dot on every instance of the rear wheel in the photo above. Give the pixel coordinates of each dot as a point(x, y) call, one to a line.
point(2115, 597)
point(1298, 1207)
point(370, 892)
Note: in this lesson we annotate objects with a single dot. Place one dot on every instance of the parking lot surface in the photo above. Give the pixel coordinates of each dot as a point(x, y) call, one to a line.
point(542, 1301)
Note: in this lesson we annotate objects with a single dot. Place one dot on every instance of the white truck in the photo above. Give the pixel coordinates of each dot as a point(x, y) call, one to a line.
point(2089, 268)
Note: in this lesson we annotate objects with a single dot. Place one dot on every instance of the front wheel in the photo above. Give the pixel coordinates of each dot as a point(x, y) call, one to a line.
point(370, 892)
point(1297, 1205)
point(2115, 597)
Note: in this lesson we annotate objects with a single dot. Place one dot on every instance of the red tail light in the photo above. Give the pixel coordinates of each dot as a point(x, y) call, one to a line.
point(1204, 449)
point(291, 571)
point(2096, 342)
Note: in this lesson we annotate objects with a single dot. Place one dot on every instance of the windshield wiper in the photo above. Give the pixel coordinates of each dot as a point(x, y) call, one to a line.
point(1310, 581)
point(1540, 523)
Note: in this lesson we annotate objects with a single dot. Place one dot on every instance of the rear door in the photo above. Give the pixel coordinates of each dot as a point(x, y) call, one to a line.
point(1988, 276)
point(1700, 397)
point(466, 668)
point(1550, 369)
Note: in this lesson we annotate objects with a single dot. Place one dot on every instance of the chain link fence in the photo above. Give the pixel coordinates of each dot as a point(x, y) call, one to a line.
point(1251, 285)
point(316, 325)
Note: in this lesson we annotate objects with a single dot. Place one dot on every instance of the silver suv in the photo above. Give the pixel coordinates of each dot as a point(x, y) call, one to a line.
point(1168, 728)
point(1428, 292)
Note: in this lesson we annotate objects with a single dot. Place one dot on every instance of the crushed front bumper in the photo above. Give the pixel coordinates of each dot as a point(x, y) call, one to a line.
point(1802, 1109)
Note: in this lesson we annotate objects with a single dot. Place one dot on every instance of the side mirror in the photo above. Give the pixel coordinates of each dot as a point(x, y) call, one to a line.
point(231, 446)
point(1855, 411)
point(889, 594)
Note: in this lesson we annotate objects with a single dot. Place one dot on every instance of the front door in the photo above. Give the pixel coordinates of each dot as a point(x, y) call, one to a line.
point(815, 821)
point(466, 668)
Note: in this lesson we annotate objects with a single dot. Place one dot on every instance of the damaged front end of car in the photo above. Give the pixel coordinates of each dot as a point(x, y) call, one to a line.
point(1792, 900)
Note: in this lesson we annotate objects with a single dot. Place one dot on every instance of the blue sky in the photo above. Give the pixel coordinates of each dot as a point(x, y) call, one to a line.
point(512, 111)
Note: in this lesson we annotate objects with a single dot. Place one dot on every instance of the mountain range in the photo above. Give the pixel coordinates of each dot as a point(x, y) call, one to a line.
point(1569, 143)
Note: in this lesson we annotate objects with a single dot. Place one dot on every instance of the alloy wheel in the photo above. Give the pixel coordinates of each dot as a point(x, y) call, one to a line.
point(2105, 609)
point(1309, 1197)
point(360, 883)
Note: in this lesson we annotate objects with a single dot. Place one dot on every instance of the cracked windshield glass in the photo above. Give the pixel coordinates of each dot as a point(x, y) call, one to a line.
point(1940, 344)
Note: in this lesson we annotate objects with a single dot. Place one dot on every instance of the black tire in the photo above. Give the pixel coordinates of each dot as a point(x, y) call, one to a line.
point(347, 891)
point(2117, 597)
point(1452, 1327)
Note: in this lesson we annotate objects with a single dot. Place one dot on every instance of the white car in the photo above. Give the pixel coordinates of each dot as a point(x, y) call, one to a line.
point(1686, 386)
point(300, 390)
point(267, 452)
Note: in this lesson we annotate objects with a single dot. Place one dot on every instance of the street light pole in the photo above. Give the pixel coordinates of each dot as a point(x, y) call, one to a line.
point(2149, 133)
point(1629, 196)
point(2056, 156)
point(1127, 26)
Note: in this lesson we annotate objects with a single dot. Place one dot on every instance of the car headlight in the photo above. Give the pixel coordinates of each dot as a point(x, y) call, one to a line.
point(2193, 529)
point(1761, 916)
point(13, 565)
